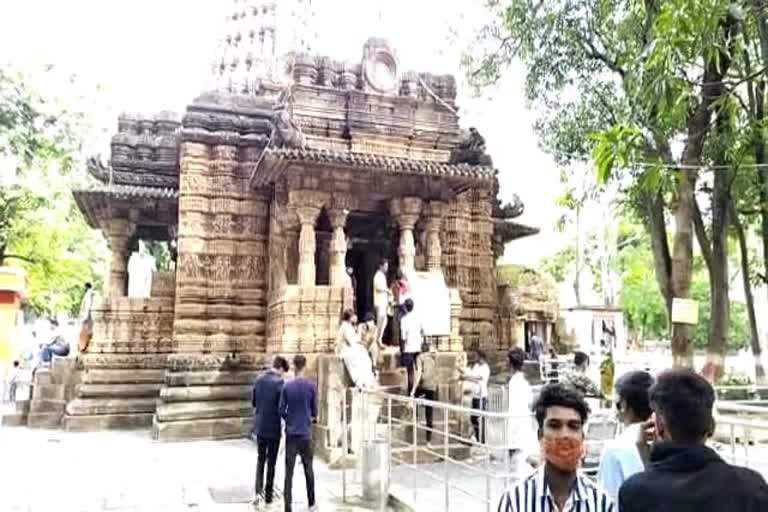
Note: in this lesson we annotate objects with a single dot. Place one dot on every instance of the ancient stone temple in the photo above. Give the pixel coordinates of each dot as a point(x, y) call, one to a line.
point(297, 168)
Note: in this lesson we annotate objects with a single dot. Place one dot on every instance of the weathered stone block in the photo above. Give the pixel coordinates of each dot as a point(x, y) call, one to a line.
point(107, 422)
point(223, 428)
point(118, 390)
point(205, 393)
point(193, 411)
point(44, 419)
point(96, 406)
point(47, 406)
point(123, 376)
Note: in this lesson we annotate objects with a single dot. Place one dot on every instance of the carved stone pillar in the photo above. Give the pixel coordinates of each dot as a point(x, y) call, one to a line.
point(118, 233)
point(307, 244)
point(337, 271)
point(434, 213)
point(406, 212)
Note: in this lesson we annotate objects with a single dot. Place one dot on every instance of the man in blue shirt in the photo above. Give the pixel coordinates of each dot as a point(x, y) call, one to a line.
point(621, 458)
point(266, 399)
point(298, 407)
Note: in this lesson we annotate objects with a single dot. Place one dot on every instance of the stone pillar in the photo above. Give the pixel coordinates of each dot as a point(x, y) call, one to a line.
point(307, 244)
point(406, 212)
point(118, 233)
point(434, 213)
point(337, 271)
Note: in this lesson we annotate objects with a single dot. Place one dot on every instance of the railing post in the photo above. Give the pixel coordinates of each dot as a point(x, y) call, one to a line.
point(344, 448)
point(733, 444)
point(445, 460)
point(415, 447)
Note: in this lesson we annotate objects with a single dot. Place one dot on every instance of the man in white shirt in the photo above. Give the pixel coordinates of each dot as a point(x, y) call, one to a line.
point(620, 458)
point(381, 297)
point(479, 373)
point(520, 429)
point(412, 333)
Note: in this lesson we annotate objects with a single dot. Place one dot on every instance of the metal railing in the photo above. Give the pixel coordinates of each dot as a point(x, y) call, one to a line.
point(455, 462)
point(457, 470)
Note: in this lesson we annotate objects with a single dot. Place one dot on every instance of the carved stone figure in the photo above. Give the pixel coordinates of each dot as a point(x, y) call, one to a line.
point(471, 149)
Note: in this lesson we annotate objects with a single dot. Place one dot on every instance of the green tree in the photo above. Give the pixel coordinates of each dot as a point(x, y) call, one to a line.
point(40, 227)
point(625, 82)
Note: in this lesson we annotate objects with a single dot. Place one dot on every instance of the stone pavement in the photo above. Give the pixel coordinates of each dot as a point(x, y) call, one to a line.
point(45, 470)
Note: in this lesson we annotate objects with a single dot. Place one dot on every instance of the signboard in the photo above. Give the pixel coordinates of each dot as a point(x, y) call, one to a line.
point(685, 311)
point(431, 302)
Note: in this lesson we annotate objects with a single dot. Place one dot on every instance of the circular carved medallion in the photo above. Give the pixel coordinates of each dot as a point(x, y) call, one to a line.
point(381, 71)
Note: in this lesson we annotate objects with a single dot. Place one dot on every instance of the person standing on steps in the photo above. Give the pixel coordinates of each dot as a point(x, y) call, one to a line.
point(412, 334)
point(298, 407)
point(425, 385)
point(381, 299)
point(478, 374)
point(266, 399)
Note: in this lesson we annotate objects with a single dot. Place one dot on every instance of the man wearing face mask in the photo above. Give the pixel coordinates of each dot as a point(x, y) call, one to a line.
point(684, 474)
point(557, 486)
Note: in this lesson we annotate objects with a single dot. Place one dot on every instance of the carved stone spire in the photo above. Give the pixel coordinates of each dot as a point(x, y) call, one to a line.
point(258, 35)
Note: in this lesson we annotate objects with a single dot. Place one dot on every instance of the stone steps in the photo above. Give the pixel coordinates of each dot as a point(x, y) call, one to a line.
point(91, 423)
point(44, 419)
point(99, 406)
point(425, 455)
point(188, 411)
point(205, 393)
point(123, 377)
point(219, 428)
point(118, 390)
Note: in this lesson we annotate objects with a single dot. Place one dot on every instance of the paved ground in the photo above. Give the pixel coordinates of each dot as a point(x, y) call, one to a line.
point(43, 471)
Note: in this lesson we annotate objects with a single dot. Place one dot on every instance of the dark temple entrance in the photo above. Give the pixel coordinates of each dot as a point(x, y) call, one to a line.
point(367, 235)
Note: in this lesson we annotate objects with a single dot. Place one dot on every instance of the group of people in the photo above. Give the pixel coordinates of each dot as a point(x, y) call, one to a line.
point(659, 463)
point(293, 403)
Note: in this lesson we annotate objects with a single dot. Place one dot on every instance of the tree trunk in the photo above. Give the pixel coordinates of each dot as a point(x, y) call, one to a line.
point(718, 278)
point(682, 267)
point(754, 336)
point(577, 278)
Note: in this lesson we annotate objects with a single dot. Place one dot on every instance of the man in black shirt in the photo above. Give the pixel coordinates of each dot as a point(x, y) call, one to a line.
point(266, 399)
point(684, 474)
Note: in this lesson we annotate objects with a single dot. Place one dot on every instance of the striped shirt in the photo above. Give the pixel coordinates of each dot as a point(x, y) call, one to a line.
point(532, 494)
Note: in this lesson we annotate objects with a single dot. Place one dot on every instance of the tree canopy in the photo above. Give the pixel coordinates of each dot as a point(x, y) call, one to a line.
point(40, 227)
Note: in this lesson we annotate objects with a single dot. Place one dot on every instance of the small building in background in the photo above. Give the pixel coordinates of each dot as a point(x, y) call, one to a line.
point(592, 329)
point(12, 286)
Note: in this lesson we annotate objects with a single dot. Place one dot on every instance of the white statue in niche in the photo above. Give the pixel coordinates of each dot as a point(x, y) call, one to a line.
point(141, 266)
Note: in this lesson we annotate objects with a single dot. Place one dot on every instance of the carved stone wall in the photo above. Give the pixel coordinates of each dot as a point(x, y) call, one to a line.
point(139, 326)
point(469, 264)
point(221, 281)
point(306, 319)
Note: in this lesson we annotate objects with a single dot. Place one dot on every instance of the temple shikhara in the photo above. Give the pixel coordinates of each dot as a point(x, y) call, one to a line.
point(292, 170)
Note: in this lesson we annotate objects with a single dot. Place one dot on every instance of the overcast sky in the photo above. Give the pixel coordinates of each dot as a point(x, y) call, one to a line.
point(154, 55)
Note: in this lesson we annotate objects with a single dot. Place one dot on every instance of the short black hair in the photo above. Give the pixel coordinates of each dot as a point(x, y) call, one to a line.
point(516, 358)
point(481, 355)
point(347, 315)
point(280, 363)
point(88, 286)
point(685, 400)
point(15, 364)
point(408, 305)
point(579, 358)
point(383, 261)
point(299, 362)
point(557, 395)
point(633, 388)
point(369, 317)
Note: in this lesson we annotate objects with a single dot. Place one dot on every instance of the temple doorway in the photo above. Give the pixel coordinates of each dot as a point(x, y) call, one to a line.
point(368, 243)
